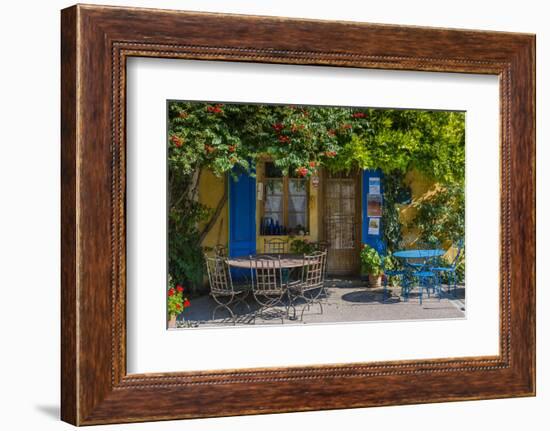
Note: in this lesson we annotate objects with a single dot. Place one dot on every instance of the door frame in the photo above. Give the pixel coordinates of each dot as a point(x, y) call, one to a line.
point(357, 176)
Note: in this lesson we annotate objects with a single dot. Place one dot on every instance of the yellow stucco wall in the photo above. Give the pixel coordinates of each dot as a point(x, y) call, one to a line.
point(313, 221)
point(210, 193)
point(211, 190)
point(422, 188)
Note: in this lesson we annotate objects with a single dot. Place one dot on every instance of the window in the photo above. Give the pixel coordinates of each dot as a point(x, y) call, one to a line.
point(285, 205)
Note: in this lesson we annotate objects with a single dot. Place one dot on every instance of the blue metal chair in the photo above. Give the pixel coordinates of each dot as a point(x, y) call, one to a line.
point(423, 277)
point(401, 272)
point(450, 271)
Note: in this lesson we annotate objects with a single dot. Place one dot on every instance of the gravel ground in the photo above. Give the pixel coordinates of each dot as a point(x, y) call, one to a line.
point(346, 301)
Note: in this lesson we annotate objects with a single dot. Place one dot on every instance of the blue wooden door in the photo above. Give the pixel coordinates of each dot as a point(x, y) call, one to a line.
point(374, 240)
point(242, 215)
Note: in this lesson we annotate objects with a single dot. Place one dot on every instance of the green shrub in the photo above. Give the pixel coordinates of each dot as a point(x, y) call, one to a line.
point(371, 262)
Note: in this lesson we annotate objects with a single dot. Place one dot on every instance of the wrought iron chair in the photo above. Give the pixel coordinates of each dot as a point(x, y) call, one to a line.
point(276, 246)
point(450, 271)
point(268, 288)
point(311, 287)
point(222, 290)
point(220, 250)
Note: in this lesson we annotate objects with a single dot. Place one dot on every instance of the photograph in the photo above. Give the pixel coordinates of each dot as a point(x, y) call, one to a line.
point(295, 214)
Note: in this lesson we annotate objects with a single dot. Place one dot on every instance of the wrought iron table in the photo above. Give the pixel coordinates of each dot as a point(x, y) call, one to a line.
point(287, 261)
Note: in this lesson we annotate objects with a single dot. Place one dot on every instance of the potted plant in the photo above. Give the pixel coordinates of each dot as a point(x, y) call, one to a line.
point(302, 246)
point(176, 302)
point(371, 264)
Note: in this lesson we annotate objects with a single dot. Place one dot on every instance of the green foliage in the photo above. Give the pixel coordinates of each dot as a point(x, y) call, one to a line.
point(177, 302)
point(371, 262)
point(303, 246)
point(223, 136)
point(440, 217)
point(299, 140)
point(393, 187)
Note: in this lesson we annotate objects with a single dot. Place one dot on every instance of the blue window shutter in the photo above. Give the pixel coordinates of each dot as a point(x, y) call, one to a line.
point(375, 241)
point(242, 215)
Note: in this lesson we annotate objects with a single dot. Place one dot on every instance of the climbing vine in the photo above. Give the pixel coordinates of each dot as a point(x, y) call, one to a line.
point(224, 138)
point(440, 217)
point(394, 188)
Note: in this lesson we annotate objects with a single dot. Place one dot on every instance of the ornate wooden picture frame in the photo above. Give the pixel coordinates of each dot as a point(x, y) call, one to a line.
point(96, 42)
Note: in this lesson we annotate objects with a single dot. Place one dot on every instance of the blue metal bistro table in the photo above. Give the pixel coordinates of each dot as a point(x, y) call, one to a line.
point(420, 270)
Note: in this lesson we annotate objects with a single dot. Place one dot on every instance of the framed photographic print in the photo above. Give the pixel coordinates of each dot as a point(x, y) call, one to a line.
point(261, 205)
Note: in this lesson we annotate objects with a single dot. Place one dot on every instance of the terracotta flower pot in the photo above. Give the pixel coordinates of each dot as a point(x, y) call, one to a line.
point(172, 321)
point(375, 281)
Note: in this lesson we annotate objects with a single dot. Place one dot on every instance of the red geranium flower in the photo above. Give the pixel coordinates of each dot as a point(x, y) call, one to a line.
point(171, 291)
point(178, 306)
point(232, 148)
point(179, 288)
point(359, 115)
point(312, 164)
point(186, 303)
point(284, 139)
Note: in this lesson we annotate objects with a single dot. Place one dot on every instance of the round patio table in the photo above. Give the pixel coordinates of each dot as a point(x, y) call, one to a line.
point(288, 261)
point(418, 254)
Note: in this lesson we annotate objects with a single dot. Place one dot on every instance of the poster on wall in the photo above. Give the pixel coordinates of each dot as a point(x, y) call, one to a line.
point(374, 205)
point(374, 185)
point(374, 226)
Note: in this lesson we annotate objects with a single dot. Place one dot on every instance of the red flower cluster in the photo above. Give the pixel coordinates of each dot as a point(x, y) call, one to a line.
point(186, 303)
point(312, 164)
point(232, 148)
point(179, 288)
point(359, 115)
point(216, 109)
point(330, 153)
point(278, 127)
point(176, 140)
point(284, 139)
point(302, 171)
point(294, 128)
point(178, 306)
point(171, 292)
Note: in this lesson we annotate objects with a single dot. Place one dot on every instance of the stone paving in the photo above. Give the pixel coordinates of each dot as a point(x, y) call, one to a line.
point(346, 301)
